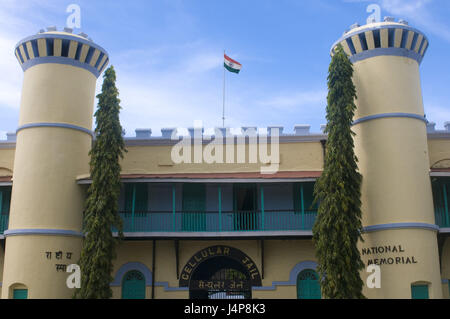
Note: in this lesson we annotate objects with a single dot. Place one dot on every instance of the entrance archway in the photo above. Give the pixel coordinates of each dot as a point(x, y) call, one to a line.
point(220, 272)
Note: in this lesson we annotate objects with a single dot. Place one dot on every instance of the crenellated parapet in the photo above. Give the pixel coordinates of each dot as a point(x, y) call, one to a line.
point(61, 47)
point(381, 39)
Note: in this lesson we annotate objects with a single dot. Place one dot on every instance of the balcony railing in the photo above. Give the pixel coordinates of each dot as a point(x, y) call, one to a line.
point(213, 221)
point(4, 220)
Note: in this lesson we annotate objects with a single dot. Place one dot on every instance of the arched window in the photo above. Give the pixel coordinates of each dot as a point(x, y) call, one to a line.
point(133, 285)
point(308, 286)
point(18, 291)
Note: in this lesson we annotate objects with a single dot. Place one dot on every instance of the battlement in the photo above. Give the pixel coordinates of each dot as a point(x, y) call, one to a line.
point(61, 47)
point(302, 131)
point(383, 38)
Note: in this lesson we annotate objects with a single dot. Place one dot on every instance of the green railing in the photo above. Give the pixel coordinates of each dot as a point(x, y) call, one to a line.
point(4, 220)
point(215, 221)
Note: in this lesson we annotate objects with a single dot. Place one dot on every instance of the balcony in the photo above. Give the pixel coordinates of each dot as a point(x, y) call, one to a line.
point(231, 222)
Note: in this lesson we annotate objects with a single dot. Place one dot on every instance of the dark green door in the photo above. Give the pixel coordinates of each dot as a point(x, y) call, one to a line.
point(20, 294)
point(308, 286)
point(133, 285)
point(194, 207)
point(246, 216)
point(419, 292)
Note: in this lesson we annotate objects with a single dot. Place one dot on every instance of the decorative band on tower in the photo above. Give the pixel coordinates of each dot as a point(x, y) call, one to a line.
point(61, 48)
point(385, 38)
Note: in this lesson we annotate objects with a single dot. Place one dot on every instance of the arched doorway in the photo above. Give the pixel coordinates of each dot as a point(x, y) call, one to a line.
point(308, 286)
point(133, 285)
point(220, 278)
point(220, 272)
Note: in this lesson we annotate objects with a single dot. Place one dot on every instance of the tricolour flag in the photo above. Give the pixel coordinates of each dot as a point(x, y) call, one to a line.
point(231, 65)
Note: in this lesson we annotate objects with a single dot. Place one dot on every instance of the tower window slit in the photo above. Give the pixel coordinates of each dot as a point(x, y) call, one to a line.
point(391, 38)
point(362, 39)
point(89, 55)
point(414, 41)
point(65, 48)
point(404, 38)
point(100, 57)
point(78, 52)
point(350, 45)
point(376, 38)
point(20, 55)
point(49, 43)
point(34, 46)
point(26, 51)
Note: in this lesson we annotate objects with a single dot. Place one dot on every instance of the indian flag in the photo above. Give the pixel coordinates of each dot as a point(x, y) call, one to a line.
point(231, 65)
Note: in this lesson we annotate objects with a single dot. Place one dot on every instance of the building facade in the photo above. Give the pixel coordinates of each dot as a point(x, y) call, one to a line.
point(201, 229)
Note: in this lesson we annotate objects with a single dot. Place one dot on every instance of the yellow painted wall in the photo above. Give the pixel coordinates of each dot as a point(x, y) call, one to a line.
point(7, 161)
point(396, 279)
point(395, 188)
point(26, 263)
point(47, 160)
point(307, 156)
point(394, 163)
point(439, 152)
point(387, 84)
point(302, 156)
point(57, 93)
point(279, 259)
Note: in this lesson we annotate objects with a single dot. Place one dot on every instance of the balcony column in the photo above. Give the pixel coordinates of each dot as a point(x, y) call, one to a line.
point(173, 207)
point(262, 207)
point(133, 206)
point(220, 207)
point(303, 206)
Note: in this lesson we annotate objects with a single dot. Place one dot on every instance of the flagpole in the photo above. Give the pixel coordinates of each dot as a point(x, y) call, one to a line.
point(223, 106)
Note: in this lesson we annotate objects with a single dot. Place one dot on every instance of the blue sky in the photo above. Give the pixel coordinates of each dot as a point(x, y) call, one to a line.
point(168, 55)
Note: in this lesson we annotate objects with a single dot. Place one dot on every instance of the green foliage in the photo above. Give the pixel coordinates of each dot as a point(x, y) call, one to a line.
point(338, 226)
point(101, 208)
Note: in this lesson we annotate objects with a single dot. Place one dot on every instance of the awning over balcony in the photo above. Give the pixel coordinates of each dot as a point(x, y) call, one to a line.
point(440, 172)
point(247, 177)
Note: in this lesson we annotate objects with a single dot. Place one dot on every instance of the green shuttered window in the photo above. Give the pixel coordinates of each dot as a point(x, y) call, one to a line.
point(419, 292)
point(20, 294)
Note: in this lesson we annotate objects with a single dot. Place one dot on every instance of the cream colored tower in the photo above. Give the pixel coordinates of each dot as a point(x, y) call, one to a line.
point(391, 145)
point(53, 140)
